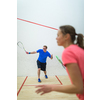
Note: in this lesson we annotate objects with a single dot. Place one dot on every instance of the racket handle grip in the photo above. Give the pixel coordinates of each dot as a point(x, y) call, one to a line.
point(28, 52)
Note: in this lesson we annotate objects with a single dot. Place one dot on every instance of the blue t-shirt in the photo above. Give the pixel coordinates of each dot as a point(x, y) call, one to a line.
point(43, 55)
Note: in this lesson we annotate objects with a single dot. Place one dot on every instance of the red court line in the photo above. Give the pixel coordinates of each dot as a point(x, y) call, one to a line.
point(29, 85)
point(59, 80)
point(37, 24)
point(55, 76)
point(21, 86)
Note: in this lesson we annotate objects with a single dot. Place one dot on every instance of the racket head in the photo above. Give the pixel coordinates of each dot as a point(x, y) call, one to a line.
point(59, 59)
point(60, 62)
point(20, 44)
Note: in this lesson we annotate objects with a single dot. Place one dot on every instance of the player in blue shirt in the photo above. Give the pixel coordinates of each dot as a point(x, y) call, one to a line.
point(41, 61)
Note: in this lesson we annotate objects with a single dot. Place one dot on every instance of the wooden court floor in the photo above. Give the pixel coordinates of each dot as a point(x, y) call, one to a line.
point(25, 90)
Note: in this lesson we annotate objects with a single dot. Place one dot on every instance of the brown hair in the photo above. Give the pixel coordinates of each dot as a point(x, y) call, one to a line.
point(68, 29)
point(45, 46)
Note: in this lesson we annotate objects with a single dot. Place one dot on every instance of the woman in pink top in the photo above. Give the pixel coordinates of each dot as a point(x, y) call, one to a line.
point(73, 60)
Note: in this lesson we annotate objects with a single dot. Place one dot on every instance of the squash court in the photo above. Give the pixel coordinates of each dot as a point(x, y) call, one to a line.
point(37, 25)
point(26, 90)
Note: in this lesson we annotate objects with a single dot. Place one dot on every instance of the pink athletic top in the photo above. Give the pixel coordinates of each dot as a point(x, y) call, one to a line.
point(74, 54)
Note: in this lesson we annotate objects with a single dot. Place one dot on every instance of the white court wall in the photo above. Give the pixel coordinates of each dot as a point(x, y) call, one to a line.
point(52, 13)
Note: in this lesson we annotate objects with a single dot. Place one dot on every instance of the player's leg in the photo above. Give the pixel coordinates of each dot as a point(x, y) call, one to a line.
point(44, 69)
point(45, 74)
point(39, 69)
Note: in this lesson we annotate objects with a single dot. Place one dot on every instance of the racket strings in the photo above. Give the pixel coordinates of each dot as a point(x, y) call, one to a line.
point(20, 44)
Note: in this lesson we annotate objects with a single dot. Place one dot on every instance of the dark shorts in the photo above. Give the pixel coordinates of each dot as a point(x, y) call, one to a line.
point(41, 65)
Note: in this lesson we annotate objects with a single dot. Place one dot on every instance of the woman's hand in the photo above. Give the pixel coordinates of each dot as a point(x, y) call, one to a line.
point(43, 89)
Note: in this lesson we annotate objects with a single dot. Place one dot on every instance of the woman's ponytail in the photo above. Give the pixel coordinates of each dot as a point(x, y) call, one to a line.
point(80, 40)
point(68, 29)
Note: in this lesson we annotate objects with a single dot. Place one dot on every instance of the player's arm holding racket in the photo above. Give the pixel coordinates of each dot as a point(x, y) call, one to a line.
point(31, 52)
point(39, 50)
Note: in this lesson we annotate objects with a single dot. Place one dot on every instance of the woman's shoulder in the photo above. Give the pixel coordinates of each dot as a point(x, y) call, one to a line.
point(73, 49)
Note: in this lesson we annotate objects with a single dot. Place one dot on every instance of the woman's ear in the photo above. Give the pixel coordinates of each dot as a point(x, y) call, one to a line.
point(67, 36)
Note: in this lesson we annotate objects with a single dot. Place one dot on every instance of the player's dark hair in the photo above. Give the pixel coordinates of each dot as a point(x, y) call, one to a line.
point(68, 29)
point(45, 46)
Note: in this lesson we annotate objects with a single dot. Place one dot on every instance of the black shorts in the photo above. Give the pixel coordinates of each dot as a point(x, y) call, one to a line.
point(41, 65)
